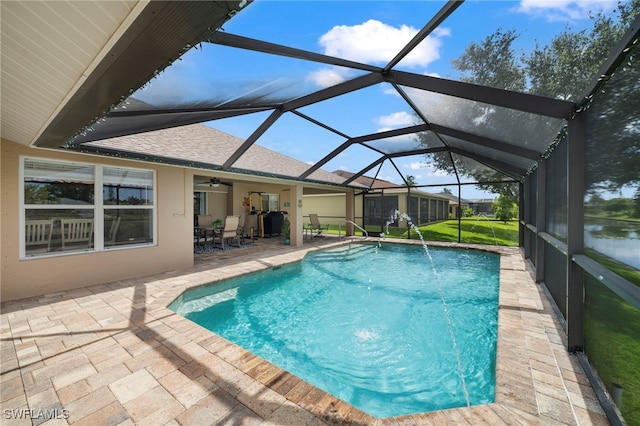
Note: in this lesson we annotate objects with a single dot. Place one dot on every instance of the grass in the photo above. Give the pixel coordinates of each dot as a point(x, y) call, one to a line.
point(612, 343)
point(612, 336)
point(625, 271)
point(476, 230)
point(616, 216)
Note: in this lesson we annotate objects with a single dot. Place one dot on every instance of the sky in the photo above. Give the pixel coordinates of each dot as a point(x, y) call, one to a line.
point(370, 32)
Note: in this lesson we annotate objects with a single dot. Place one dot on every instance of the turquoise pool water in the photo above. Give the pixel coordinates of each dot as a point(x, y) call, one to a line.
point(373, 326)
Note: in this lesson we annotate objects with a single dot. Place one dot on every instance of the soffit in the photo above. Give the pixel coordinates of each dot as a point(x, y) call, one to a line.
point(48, 49)
point(65, 64)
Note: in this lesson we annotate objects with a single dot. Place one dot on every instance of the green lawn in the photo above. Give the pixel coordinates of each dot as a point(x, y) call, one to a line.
point(612, 344)
point(612, 336)
point(625, 271)
point(476, 230)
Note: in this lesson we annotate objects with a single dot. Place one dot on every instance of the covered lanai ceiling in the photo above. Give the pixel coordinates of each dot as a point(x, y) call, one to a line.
point(66, 62)
point(488, 127)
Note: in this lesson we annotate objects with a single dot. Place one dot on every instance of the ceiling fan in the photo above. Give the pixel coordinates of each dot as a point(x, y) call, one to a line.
point(214, 183)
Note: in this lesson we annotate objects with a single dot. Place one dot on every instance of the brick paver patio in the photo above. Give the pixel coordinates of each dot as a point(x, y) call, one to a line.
point(114, 354)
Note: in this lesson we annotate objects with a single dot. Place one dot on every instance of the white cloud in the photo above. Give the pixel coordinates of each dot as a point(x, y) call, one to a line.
point(391, 91)
point(378, 43)
point(425, 172)
point(396, 119)
point(560, 10)
point(327, 77)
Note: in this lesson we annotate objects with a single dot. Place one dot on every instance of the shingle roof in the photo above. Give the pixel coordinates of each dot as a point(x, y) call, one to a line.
point(453, 197)
point(388, 187)
point(203, 144)
point(368, 181)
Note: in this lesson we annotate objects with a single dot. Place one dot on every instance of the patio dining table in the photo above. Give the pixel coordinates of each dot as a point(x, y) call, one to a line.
point(204, 235)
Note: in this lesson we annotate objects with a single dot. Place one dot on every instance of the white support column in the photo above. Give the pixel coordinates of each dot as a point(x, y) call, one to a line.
point(295, 216)
point(350, 210)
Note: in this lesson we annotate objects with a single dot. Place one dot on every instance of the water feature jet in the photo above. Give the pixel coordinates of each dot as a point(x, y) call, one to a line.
point(397, 215)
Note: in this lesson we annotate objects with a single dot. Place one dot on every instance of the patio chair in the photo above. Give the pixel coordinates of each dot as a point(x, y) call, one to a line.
point(231, 230)
point(316, 226)
point(205, 221)
point(38, 235)
point(77, 232)
point(205, 233)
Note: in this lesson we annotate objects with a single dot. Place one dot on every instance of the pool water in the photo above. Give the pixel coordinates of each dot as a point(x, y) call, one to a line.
point(374, 326)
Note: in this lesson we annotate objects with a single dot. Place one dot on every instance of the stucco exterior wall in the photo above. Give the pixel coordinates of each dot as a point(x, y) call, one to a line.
point(330, 208)
point(38, 276)
point(287, 196)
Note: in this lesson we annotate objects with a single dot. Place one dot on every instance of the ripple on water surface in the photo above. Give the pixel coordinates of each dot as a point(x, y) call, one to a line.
point(369, 325)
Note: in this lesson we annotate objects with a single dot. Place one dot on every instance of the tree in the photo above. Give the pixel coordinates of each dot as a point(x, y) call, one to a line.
point(561, 70)
point(505, 209)
point(618, 205)
point(492, 62)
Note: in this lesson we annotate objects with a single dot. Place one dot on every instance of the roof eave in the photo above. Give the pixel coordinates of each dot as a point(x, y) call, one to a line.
point(152, 42)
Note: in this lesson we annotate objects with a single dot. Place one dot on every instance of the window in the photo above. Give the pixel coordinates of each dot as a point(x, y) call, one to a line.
point(199, 202)
point(270, 202)
point(62, 213)
point(128, 206)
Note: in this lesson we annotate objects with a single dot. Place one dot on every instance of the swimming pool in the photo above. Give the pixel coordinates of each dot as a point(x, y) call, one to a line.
point(368, 324)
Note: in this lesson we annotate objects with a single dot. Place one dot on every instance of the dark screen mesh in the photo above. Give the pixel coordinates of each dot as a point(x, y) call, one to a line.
point(612, 175)
point(555, 276)
point(556, 192)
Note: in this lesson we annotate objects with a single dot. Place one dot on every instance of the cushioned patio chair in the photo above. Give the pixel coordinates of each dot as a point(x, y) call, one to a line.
point(205, 234)
point(316, 226)
point(231, 231)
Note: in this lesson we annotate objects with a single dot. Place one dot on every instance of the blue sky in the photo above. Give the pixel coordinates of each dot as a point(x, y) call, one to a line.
point(365, 31)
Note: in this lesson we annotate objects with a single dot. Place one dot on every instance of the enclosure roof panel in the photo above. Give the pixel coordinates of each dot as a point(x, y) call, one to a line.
point(288, 88)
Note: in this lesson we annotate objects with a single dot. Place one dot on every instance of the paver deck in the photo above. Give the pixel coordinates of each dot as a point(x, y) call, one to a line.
point(113, 354)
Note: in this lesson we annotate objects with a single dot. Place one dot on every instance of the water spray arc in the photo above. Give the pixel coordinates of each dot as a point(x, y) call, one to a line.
point(395, 216)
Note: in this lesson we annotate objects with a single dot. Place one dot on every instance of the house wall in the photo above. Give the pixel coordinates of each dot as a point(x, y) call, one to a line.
point(38, 276)
point(217, 204)
point(240, 192)
point(330, 208)
point(287, 195)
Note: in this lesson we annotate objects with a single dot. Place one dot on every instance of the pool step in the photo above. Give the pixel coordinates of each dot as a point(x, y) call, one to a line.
point(349, 252)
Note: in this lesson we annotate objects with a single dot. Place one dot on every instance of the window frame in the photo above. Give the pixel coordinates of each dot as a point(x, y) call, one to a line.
point(269, 198)
point(99, 208)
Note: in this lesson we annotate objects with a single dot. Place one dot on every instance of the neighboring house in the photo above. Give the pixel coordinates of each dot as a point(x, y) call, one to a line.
point(479, 206)
point(453, 203)
point(482, 206)
point(375, 205)
point(72, 220)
